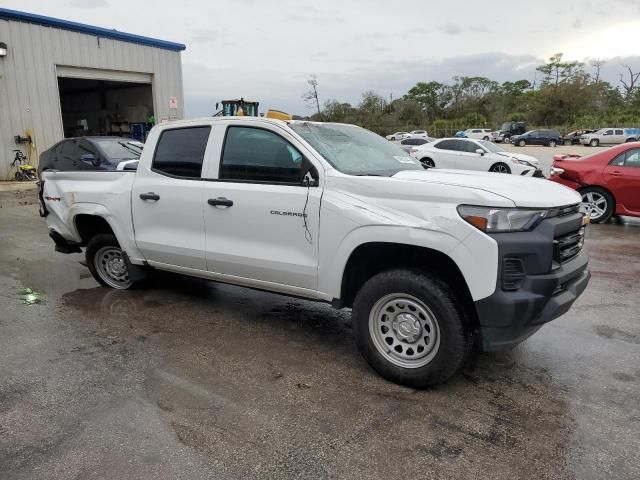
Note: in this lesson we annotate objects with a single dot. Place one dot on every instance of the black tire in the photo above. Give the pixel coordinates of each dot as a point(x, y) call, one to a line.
point(453, 326)
point(602, 199)
point(522, 143)
point(500, 168)
point(427, 162)
point(567, 142)
point(486, 139)
point(594, 142)
point(553, 143)
point(104, 243)
point(506, 140)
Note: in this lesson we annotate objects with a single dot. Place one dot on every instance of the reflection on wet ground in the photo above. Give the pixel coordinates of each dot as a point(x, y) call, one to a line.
point(191, 379)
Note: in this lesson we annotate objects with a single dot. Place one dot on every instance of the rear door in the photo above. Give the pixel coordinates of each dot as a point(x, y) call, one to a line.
point(261, 219)
point(445, 153)
point(466, 156)
point(622, 177)
point(167, 199)
point(618, 135)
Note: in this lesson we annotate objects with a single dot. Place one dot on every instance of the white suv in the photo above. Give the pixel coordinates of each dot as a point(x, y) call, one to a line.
point(479, 133)
point(610, 136)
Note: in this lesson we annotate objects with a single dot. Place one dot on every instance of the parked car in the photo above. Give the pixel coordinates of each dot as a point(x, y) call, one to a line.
point(398, 136)
point(609, 180)
point(573, 138)
point(431, 262)
point(478, 133)
point(549, 138)
point(418, 134)
point(408, 143)
point(610, 136)
point(469, 154)
point(508, 130)
point(91, 153)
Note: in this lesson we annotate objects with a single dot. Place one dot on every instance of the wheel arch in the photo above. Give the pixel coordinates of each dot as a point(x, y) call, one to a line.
point(369, 259)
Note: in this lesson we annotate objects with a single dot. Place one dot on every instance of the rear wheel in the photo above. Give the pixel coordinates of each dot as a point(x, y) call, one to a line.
point(522, 143)
point(411, 328)
point(106, 262)
point(500, 168)
point(427, 163)
point(486, 139)
point(567, 142)
point(594, 142)
point(506, 140)
point(598, 203)
point(552, 143)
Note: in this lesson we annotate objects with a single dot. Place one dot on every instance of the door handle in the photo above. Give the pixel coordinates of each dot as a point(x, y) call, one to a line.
point(150, 196)
point(220, 202)
point(615, 173)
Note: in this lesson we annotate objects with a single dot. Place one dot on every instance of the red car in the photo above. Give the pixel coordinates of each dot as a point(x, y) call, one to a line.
point(609, 181)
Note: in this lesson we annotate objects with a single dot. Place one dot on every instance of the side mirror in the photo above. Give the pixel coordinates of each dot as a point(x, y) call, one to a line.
point(480, 152)
point(91, 158)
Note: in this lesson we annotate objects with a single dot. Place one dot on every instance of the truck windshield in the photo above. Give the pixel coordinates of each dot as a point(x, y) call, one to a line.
point(354, 150)
point(506, 126)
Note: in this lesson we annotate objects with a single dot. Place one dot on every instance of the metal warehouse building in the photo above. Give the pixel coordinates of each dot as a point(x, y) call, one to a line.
point(64, 79)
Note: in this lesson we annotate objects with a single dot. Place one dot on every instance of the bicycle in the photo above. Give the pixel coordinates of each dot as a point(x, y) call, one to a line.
point(25, 172)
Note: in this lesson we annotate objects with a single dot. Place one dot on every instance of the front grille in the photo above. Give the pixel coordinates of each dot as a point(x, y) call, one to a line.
point(568, 246)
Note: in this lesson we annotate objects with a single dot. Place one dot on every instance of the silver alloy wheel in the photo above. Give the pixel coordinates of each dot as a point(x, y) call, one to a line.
point(552, 143)
point(506, 140)
point(499, 168)
point(404, 330)
point(522, 143)
point(111, 267)
point(595, 204)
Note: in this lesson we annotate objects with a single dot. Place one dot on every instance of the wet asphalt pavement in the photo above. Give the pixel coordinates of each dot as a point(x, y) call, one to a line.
point(191, 379)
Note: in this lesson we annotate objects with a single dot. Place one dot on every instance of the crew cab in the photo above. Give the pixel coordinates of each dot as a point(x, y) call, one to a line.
point(430, 261)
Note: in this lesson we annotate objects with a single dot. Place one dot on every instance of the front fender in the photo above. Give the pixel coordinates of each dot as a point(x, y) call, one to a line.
point(474, 253)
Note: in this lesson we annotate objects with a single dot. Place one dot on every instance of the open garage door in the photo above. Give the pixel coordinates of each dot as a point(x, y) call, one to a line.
point(105, 102)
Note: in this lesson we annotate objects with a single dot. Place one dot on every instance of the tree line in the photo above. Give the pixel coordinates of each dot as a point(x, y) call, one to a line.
point(566, 97)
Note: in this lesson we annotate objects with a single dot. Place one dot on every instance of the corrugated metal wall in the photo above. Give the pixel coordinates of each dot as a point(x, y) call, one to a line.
point(29, 99)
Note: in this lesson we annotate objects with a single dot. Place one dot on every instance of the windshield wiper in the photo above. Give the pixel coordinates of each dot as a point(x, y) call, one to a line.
point(131, 149)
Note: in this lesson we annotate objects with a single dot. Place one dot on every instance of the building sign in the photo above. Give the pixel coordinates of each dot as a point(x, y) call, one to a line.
point(173, 102)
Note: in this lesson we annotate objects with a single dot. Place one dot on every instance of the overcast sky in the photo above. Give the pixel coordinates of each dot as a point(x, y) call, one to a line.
point(266, 49)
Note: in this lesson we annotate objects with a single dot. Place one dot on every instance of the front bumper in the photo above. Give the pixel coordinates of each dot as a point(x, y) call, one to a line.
point(546, 291)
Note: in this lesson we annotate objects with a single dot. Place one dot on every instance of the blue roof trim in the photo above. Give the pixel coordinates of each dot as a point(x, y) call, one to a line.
point(8, 14)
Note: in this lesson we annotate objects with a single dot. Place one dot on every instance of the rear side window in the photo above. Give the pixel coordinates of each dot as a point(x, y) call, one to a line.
point(618, 132)
point(630, 158)
point(258, 155)
point(180, 152)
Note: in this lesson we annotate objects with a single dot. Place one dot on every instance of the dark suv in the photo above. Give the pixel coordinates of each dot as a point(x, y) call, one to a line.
point(550, 138)
point(91, 153)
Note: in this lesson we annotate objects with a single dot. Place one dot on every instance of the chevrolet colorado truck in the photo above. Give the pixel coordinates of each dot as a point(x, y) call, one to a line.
point(431, 262)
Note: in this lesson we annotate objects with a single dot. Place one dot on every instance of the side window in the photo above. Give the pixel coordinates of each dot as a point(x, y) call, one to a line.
point(609, 132)
point(254, 154)
point(180, 151)
point(632, 158)
point(469, 147)
point(619, 132)
point(446, 145)
point(67, 149)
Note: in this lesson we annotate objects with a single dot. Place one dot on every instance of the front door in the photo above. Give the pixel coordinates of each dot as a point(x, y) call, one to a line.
point(261, 218)
point(167, 199)
point(623, 179)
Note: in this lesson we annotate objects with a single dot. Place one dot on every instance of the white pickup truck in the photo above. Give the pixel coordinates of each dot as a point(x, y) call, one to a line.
point(431, 261)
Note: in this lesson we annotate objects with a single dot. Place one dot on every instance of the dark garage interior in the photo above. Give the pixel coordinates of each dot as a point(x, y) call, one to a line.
point(105, 107)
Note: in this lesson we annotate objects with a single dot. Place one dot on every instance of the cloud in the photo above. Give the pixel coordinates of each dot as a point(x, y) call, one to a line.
point(88, 3)
point(450, 29)
point(577, 23)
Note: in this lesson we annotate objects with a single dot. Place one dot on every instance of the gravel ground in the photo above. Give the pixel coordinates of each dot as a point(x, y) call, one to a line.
point(191, 379)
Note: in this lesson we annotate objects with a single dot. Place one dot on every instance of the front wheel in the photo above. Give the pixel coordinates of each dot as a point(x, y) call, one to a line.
point(411, 328)
point(522, 143)
point(106, 262)
point(500, 168)
point(595, 142)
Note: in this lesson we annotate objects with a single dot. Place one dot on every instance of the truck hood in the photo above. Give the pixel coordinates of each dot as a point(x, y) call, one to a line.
point(522, 191)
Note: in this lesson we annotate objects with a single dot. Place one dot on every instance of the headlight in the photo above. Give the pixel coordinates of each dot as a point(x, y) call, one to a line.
point(494, 219)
